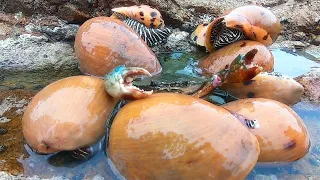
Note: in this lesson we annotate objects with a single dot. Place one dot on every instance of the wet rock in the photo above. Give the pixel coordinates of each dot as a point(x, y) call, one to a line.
point(28, 52)
point(3, 131)
point(3, 148)
point(72, 14)
point(311, 84)
point(290, 45)
point(299, 36)
point(7, 104)
point(313, 51)
point(265, 177)
point(177, 41)
point(315, 40)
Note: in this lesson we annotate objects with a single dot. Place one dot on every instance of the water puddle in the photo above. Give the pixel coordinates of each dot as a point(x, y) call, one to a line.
point(20, 87)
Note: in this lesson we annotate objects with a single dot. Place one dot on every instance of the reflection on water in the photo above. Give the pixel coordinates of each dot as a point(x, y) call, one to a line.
point(46, 166)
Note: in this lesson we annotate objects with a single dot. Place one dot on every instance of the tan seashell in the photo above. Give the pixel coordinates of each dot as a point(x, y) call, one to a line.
point(175, 136)
point(267, 85)
point(282, 135)
point(68, 114)
point(103, 43)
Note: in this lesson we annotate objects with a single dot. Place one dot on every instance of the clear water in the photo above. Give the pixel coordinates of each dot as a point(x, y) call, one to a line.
point(182, 65)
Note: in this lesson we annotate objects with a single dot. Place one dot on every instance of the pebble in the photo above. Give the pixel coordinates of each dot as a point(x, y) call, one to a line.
point(3, 131)
point(3, 148)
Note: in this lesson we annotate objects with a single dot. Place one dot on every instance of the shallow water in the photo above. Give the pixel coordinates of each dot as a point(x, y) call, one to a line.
point(20, 85)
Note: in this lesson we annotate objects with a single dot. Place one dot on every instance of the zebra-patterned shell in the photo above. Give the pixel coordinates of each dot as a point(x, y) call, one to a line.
point(247, 22)
point(151, 36)
point(145, 14)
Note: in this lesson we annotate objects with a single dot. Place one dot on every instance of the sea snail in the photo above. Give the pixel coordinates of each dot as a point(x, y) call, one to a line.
point(103, 43)
point(175, 136)
point(282, 135)
point(146, 21)
point(267, 85)
point(71, 114)
point(247, 22)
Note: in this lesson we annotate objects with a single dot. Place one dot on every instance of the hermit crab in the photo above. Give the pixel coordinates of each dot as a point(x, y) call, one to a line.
point(146, 21)
point(246, 22)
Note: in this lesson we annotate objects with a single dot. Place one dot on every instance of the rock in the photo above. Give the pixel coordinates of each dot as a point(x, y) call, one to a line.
point(72, 14)
point(177, 41)
point(265, 177)
point(299, 36)
point(315, 40)
point(311, 84)
point(28, 52)
point(290, 45)
point(7, 104)
point(313, 51)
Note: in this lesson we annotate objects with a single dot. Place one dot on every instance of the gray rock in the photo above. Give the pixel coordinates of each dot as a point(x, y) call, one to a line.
point(28, 52)
point(311, 83)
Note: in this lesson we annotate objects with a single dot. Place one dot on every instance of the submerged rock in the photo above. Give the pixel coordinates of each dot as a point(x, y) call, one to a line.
point(311, 84)
point(27, 52)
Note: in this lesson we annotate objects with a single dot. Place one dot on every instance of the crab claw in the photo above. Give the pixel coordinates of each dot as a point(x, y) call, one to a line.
point(118, 83)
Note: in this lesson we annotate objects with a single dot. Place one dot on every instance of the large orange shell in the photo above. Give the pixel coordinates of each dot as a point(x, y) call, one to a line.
point(223, 57)
point(266, 85)
point(282, 135)
point(68, 114)
point(102, 43)
point(175, 136)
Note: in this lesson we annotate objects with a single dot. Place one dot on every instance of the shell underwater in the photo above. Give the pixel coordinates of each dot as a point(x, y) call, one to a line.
point(132, 114)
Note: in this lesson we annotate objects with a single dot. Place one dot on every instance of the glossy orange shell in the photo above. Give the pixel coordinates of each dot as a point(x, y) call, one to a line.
point(199, 35)
point(145, 14)
point(282, 135)
point(175, 136)
point(68, 114)
point(102, 43)
point(223, 57)
point(265, 85)
point(258, 23)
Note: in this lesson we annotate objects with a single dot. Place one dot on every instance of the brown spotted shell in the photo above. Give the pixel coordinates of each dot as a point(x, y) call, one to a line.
point(258, 24)
point(175, 136)
point(267, 85)
point(145, 14)
point(282, 135)
point(223, 57)
point(68, 114)
point(103, 43)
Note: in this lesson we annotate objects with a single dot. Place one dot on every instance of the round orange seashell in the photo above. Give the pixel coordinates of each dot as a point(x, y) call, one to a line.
point(223, 57)
point(68, 114)
point(103, 43)
point(282, 135)
point(175, 136)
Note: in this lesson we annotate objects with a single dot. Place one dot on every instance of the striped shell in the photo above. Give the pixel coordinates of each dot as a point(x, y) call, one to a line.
point(175, 136)
point(247, 22)
point(267, 85)
point(145, 14)
point(282, 134)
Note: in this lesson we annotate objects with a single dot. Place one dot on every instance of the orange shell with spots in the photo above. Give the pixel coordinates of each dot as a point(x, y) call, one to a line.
point(282, 135)
point(145, 14)
point(68, 114)
point(103, 43)
point(258, 23)
point(223, 57)
point(199, 35)
point(266, 85)
point(175, 136)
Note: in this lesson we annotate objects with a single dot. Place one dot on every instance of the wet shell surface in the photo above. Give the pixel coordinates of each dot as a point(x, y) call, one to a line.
point(223, 57)
point(102, 43)
point(68, 114)
point(282, 135)
point(145, 14)
point(267, 85)
point(246, 22)
point(198, 37)
point(175, 136)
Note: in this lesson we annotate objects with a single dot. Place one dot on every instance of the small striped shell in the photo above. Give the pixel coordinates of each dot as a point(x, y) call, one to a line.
point(267, 85)
point(145, 14)
point(151, 36)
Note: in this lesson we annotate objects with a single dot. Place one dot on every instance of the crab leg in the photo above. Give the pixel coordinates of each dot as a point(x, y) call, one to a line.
point(118, 83)
point(240, 70)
